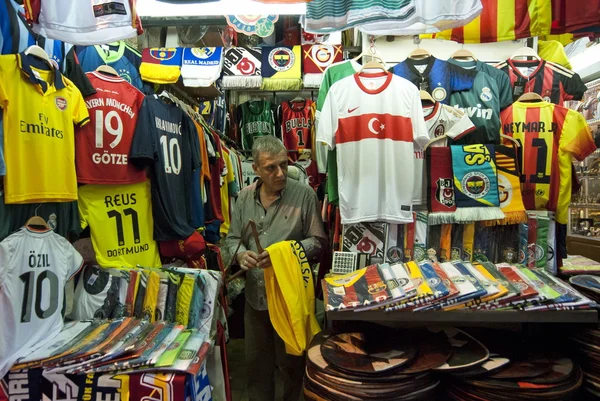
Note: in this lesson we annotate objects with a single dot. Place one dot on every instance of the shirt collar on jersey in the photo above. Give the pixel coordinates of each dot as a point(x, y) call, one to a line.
point(27, 61)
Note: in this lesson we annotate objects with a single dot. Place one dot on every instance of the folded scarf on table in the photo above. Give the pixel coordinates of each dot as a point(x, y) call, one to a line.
point(440, 186)
point(161, 65)
point(242, 68)
point(281, 68)
point(475, 183)
point(509, 187)
point(316, 59)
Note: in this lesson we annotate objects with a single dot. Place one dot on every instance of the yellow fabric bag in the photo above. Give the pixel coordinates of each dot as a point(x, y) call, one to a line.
point(291, 296)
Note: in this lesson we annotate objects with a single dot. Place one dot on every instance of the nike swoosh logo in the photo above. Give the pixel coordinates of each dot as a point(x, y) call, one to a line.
point(351, 110)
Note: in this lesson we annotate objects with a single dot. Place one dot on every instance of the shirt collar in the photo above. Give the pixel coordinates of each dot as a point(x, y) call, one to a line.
point(27, 61)
point(259, 182)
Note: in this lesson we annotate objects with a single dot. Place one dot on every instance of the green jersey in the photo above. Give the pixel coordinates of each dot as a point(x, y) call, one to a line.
point(256, 118)
point(333, 74)
point(491, 93)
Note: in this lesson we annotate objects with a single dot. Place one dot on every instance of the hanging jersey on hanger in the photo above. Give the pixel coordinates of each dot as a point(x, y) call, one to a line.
point(490, 94)
point(102, 147)
point(372, 128)
point(167, 141)
point(296, 126)
point(85, 23)
point(440, 120)
point(438, 78)
point(555, 83)
point(91, 57)
point(255, 119)
point(550, 136)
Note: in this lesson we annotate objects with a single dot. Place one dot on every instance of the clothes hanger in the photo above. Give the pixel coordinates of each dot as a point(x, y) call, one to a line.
point(376, 62)
point(419, 53)
point(510, 138)
point(530, 97)
point(525, 52)
point(252, 225)
point(36, 220)
point(424, 95)
point(373, 65)
point(439, 138)
point(40, 53)
point(462, 53)
point(107, 69)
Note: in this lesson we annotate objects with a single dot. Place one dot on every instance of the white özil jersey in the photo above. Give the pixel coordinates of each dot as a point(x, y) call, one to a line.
point(440, 120)
point(34, 268)
point(373, 120)
point(87, 22)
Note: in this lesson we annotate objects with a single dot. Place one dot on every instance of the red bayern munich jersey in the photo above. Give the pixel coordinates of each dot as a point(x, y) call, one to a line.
point(102, 146)
point(296, 126)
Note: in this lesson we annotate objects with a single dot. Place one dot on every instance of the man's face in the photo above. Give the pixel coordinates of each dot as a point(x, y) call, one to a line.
point(272, 170)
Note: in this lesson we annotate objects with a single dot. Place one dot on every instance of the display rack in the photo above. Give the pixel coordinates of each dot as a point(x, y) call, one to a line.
point(581, 316)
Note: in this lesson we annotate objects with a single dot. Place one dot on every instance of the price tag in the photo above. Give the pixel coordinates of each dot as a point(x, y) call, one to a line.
point(518, 89)
point(92, 279)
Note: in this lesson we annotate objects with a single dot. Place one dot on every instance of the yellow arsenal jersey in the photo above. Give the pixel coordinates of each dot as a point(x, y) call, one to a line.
point(121, 224)
point(40, 109)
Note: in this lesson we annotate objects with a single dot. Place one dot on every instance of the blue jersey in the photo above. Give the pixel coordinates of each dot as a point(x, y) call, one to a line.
point(91, 57)
point(437, 77)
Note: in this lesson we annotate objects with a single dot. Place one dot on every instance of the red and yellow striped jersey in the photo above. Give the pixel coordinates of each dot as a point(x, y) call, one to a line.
point(549, 136)
point(503, 20)
point(555, 83)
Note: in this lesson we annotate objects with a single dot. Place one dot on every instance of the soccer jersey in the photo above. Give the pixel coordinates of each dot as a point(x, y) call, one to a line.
point(40, 110)
point(102, 147)
point(437, 77)
point(121, 58)
point(555, 83)
point(549, 136)
point(120, 221)
point(248, 173)
point(366, 115)
point(440, 120)
point(491, 93)
point(255, 119)
point(166, 139)
point(85, 23)
point(96, 294)
point(503, 20)
point(34, 269)
point(296, 126)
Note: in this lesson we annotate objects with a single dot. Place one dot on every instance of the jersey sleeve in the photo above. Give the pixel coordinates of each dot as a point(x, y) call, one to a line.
point(574, 86)
point(83, 211)
point(328, 122)
point(461, 125)
point(194, 143)
point(74, 259)
point(3, 82)
point(420, 133)
point(74, 71)
point(143, 146)
point(576, 136)
point(460, 79)
point(5, 250)
point(81, 116)
point(505, 89)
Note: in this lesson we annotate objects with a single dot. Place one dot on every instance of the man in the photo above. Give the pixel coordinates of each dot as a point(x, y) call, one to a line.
point(283, 210)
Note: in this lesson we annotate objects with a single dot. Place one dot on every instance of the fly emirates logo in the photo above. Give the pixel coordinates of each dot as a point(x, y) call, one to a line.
point(40, 127)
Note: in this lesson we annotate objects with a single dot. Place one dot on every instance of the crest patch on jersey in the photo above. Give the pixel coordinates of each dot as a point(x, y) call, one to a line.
point(61, 103)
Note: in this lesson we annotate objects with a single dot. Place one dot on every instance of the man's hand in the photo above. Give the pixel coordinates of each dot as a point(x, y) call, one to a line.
point(264, 260)
point(248, 259)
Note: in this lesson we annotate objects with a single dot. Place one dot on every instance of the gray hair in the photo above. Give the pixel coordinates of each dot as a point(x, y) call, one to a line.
point(267, 144)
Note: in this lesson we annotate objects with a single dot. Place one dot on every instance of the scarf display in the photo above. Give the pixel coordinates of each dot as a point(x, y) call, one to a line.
point(531, 239)
point(541, 243)
point(201, 66)
point(242, 68)
point(445, 243)
point(440, 185)
point(420, 239)
point(475, 183)
point(316, 59)
point(523, 238)
point(468, 241)
point(509, 187)
point(161, 65)
point(281, 68)
point(395, 244)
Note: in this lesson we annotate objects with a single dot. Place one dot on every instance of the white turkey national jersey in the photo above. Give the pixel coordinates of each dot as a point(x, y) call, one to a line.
point(373, 120)
point(440, 120)
point(86, 22)
point(34, 268)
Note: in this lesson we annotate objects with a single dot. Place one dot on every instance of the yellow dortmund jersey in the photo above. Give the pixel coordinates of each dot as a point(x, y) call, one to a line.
point(121, 224)
point(225, 198)
point(40, 108)
point(549, 137)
